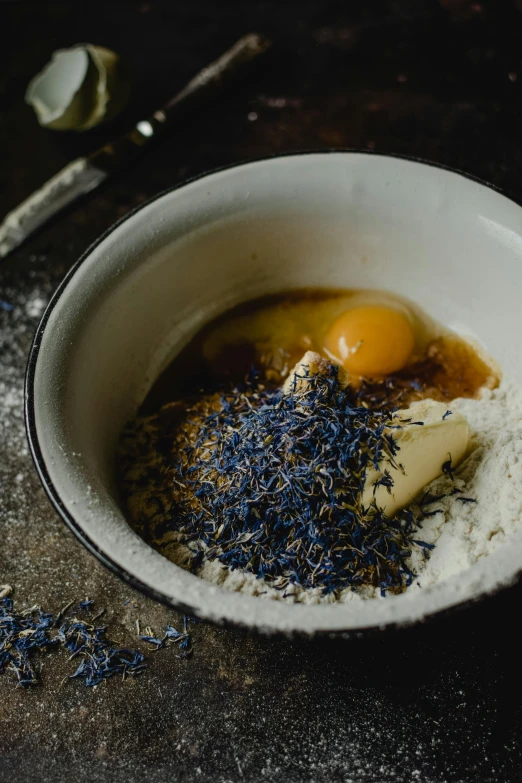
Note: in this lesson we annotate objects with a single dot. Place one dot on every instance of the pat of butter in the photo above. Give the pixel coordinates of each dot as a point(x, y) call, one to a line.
point(423, 450)
point(312, 363)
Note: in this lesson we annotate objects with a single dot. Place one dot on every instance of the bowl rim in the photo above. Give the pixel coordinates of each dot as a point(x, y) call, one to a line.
point(76, 527)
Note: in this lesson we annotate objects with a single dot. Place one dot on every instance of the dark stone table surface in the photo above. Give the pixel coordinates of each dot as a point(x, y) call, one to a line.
point(443, 702)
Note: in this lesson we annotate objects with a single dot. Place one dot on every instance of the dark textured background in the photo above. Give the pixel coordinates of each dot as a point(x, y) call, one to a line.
point(441, 80)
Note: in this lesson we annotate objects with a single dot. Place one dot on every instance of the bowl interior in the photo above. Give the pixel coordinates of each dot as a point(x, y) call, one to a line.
point(448, 243)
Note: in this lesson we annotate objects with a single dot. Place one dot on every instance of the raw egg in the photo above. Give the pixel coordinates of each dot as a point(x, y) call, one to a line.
point(371, 340)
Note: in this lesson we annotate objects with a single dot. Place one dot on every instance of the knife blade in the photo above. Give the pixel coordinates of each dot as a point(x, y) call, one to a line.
point(87, 173)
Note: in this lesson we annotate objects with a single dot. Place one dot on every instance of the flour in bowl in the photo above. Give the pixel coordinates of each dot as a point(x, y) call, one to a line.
point(492, 476)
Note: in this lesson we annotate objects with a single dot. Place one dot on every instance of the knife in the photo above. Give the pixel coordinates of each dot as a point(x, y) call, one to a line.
point(85, 174)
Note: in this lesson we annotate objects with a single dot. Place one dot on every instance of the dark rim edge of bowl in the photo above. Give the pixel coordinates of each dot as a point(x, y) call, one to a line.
point(76, 528)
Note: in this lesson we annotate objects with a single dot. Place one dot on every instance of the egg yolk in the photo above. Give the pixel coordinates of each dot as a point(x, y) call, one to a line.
point(371, 340)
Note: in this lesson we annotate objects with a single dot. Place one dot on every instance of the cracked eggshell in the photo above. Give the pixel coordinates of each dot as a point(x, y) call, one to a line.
point(79, 88)
point(112, 86)
point(59, 93)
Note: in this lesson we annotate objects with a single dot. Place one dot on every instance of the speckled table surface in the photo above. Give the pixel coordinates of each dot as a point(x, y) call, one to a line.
point(440, 80)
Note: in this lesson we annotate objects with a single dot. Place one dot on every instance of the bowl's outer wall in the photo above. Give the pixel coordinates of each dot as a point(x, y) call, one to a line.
point(448, 243)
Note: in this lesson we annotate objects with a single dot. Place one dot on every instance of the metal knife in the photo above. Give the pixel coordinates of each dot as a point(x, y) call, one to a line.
point(85, 174)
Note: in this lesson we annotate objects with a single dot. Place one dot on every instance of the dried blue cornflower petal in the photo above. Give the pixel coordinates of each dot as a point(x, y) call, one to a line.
point(172, 633)
point(385, 480)
point(189, 618)
point(22, 634)
point(86, 604)
point(101, 659)
point(423, 544)
point(158, 643)
point(181, 639)
point(427, 499)
point(271, 483)
point(447, 468)
point(448, 413)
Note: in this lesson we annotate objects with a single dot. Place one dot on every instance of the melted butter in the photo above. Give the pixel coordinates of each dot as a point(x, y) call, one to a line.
point(273, 333)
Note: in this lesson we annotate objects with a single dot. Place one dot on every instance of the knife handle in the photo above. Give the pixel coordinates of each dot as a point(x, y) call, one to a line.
point(218, 74)
point(206, 85)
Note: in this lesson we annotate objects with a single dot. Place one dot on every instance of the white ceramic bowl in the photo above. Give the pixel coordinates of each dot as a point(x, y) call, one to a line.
point(449, 243)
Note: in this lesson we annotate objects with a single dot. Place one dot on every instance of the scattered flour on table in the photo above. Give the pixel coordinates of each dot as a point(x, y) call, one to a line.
point(35, 306)
point(462, 532)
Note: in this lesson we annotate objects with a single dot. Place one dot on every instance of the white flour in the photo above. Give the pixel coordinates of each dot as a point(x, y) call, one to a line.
point(463, 532)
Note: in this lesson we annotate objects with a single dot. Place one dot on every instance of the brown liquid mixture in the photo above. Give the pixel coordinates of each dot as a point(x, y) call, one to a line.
point(273, 332)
